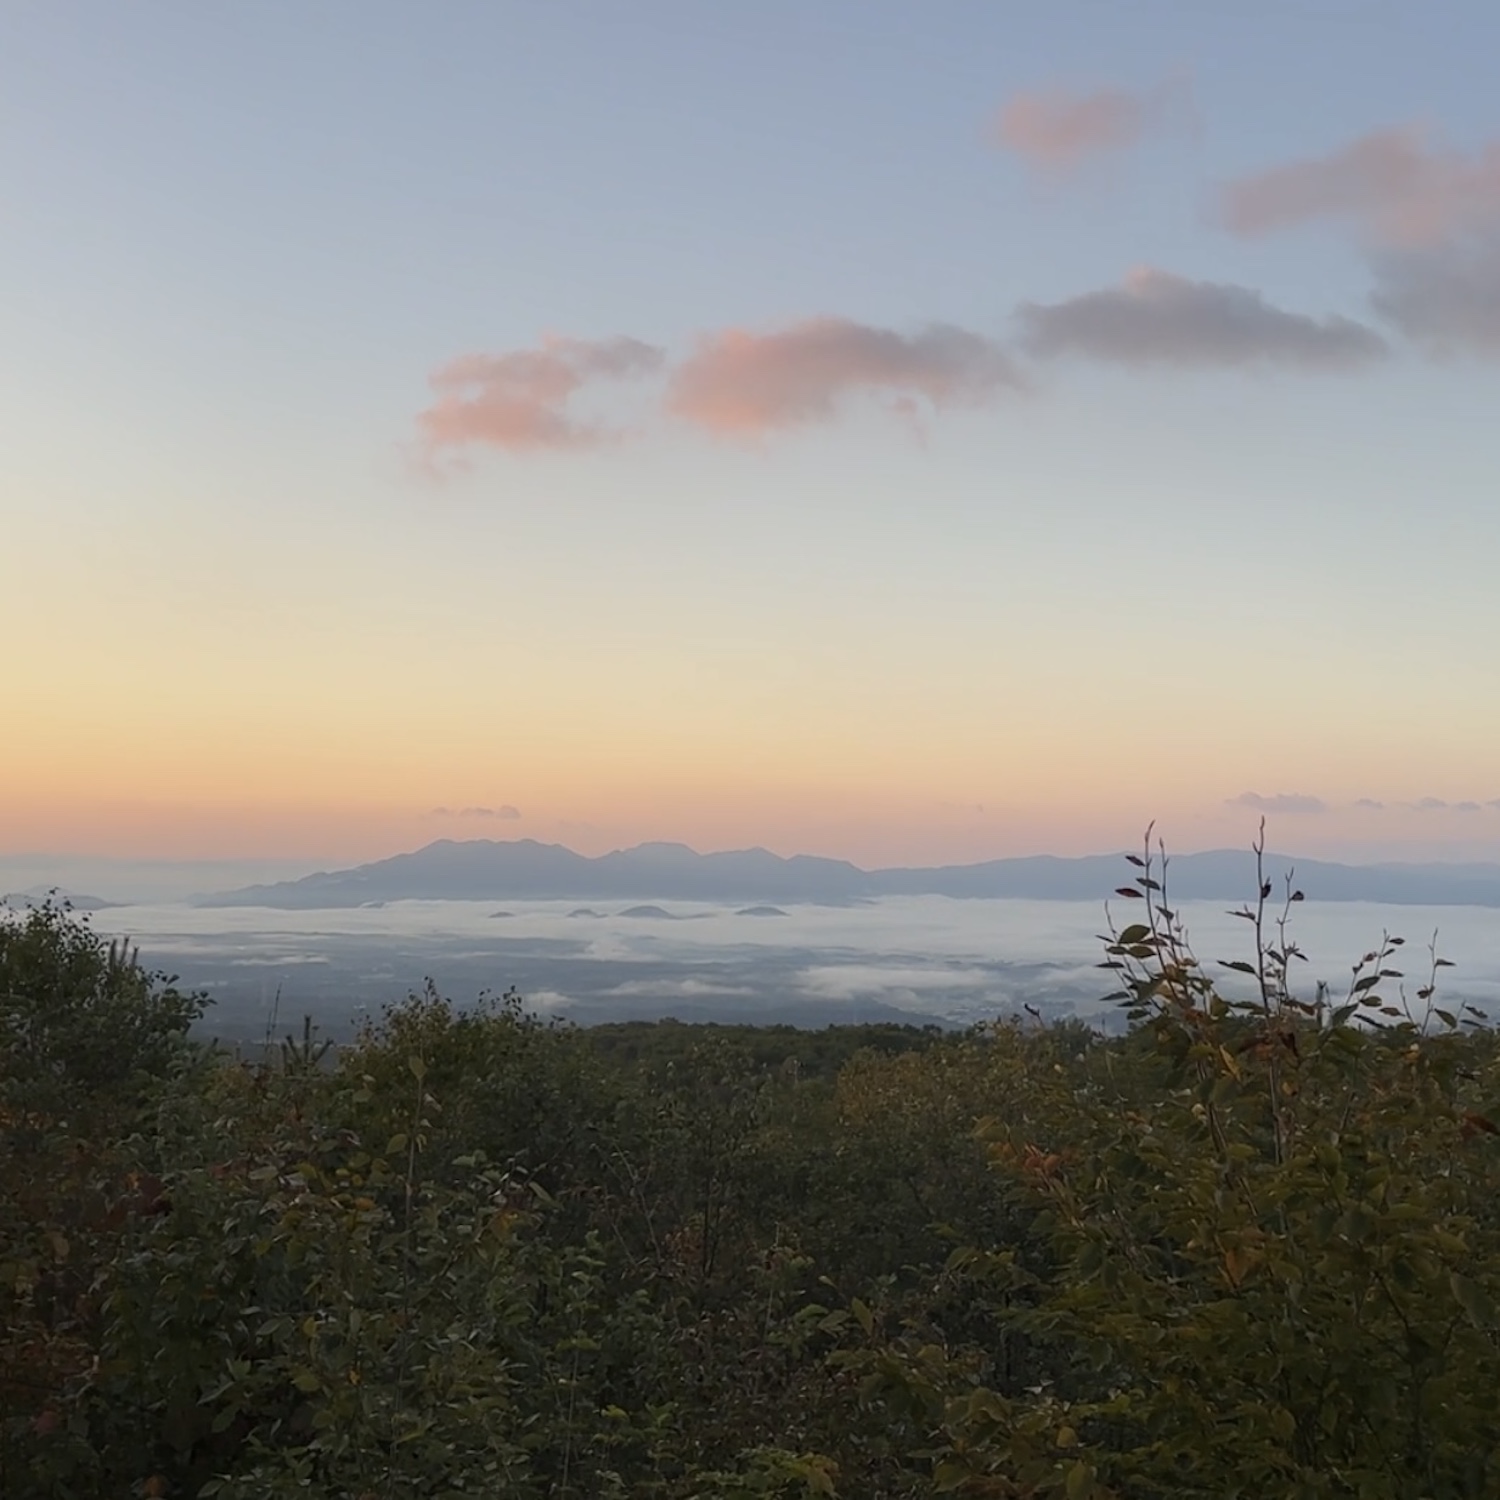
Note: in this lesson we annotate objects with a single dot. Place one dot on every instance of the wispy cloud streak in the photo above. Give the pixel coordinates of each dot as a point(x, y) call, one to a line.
point(507, 813)
point(1055, 130)
point(1395, 186)
point(1298, 803)
point(518, 401)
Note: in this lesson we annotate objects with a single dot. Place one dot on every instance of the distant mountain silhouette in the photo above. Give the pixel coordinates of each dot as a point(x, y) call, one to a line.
point(523, 869)
point(36, 895)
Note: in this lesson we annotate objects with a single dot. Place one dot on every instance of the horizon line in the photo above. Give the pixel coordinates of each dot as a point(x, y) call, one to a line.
point(321, 865)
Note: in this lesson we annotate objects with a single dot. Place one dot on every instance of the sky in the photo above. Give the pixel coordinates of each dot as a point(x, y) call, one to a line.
point(902, 432)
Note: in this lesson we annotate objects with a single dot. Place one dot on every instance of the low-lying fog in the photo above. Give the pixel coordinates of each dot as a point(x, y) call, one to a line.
point(925, 958)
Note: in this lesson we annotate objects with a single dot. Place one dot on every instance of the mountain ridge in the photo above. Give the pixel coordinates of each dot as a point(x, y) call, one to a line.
point(501, 869)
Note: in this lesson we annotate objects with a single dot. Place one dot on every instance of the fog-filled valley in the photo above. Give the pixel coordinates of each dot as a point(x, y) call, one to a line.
point(920, 959)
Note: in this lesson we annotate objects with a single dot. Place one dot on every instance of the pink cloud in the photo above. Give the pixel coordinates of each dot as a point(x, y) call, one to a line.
point(1055, 130)
point(740, 383)
point(519, 401)
point(1391, 184)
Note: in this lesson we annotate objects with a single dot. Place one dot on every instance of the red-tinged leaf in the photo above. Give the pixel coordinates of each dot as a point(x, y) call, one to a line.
point(1130, 893)
point(1442, 963)
point(1396, 942)
point(1137, 861)
point(1297, 896)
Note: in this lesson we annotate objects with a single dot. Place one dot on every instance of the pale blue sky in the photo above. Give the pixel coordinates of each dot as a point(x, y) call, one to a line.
point(238, 240)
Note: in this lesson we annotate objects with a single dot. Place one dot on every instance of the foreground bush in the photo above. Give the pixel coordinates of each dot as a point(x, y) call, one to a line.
point(1272, 1247)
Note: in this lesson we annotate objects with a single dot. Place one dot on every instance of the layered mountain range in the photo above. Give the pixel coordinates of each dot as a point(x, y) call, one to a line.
point(523, 869)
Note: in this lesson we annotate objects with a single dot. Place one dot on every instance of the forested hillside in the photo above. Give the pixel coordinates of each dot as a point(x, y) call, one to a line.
point(1250, 1248)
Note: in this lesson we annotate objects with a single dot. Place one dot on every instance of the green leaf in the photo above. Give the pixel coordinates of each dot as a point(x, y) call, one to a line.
point(949, 1476)
point(1080, 1482)
point(1474, 1300)
point(1090, 1260)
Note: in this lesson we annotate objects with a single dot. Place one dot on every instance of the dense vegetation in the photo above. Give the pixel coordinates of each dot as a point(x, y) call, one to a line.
point(1250, 1248)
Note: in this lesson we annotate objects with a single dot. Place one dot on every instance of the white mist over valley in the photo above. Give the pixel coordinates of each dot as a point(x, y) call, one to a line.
point(917, 959)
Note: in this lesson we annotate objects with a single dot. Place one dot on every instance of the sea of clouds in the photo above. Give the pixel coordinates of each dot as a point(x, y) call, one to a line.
point(954, 961)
